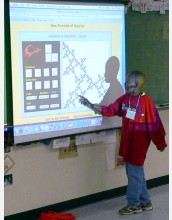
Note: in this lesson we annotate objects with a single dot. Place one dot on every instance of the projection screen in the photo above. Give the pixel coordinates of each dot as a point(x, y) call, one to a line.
point(60, 50)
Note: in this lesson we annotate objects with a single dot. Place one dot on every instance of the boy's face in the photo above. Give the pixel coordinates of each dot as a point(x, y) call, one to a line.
point(131, 85)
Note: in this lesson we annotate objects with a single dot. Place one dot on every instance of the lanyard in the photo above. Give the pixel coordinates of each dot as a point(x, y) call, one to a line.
point(137, 101)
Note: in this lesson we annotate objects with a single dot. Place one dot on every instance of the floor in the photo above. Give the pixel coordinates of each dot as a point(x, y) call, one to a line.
point(108, 209)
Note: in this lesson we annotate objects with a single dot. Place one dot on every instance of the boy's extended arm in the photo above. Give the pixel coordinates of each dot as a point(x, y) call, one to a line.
point(95, 107)
point(109, 111)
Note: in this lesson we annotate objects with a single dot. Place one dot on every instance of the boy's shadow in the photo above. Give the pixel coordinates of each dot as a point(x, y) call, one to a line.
point(115, 89)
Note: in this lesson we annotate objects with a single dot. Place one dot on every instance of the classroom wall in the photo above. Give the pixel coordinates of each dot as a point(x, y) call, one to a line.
point(41, 179)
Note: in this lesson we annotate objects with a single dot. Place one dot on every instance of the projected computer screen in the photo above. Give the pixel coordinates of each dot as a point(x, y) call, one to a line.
point(60, 50)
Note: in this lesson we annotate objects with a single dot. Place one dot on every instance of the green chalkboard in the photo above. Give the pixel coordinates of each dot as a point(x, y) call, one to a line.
point(147, 50)
point(5, 97)
point(8, 112)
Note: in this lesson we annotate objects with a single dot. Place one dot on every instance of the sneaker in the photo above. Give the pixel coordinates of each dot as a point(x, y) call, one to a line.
point(147, 207)
point(129, 209)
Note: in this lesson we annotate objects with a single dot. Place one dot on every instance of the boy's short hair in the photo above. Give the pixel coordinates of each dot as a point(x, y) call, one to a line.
point(140, 77)
point(137, 73)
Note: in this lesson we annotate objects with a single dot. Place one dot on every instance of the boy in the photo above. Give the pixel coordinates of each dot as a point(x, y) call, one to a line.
point(141, 124)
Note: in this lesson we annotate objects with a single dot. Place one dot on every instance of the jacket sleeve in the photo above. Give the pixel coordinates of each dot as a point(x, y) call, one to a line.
point(157, 131)
point(113, 109)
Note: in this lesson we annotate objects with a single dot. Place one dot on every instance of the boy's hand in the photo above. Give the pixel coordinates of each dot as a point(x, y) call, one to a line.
point(120, 161)
point(161, 150)
point(84, 101)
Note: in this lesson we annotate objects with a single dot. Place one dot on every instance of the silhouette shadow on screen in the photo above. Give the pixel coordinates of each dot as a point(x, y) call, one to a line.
point(115, 89)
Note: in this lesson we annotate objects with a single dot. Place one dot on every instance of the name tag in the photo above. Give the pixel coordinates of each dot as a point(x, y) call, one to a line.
point(131, 114)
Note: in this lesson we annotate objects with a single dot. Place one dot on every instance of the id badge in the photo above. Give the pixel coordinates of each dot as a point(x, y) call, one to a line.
point(131, 114)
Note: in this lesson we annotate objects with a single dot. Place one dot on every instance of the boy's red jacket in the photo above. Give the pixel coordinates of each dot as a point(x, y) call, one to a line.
point(138, 133)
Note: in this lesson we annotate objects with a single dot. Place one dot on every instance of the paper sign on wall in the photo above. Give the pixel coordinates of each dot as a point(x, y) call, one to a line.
point(61, 142)
point(83, 139)
point(110, 157)
point(8, 163)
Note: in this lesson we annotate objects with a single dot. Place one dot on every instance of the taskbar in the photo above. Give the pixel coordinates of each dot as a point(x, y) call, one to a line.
point(39, 128)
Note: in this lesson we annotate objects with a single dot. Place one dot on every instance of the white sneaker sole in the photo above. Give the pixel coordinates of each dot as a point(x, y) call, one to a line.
point(131, 213)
